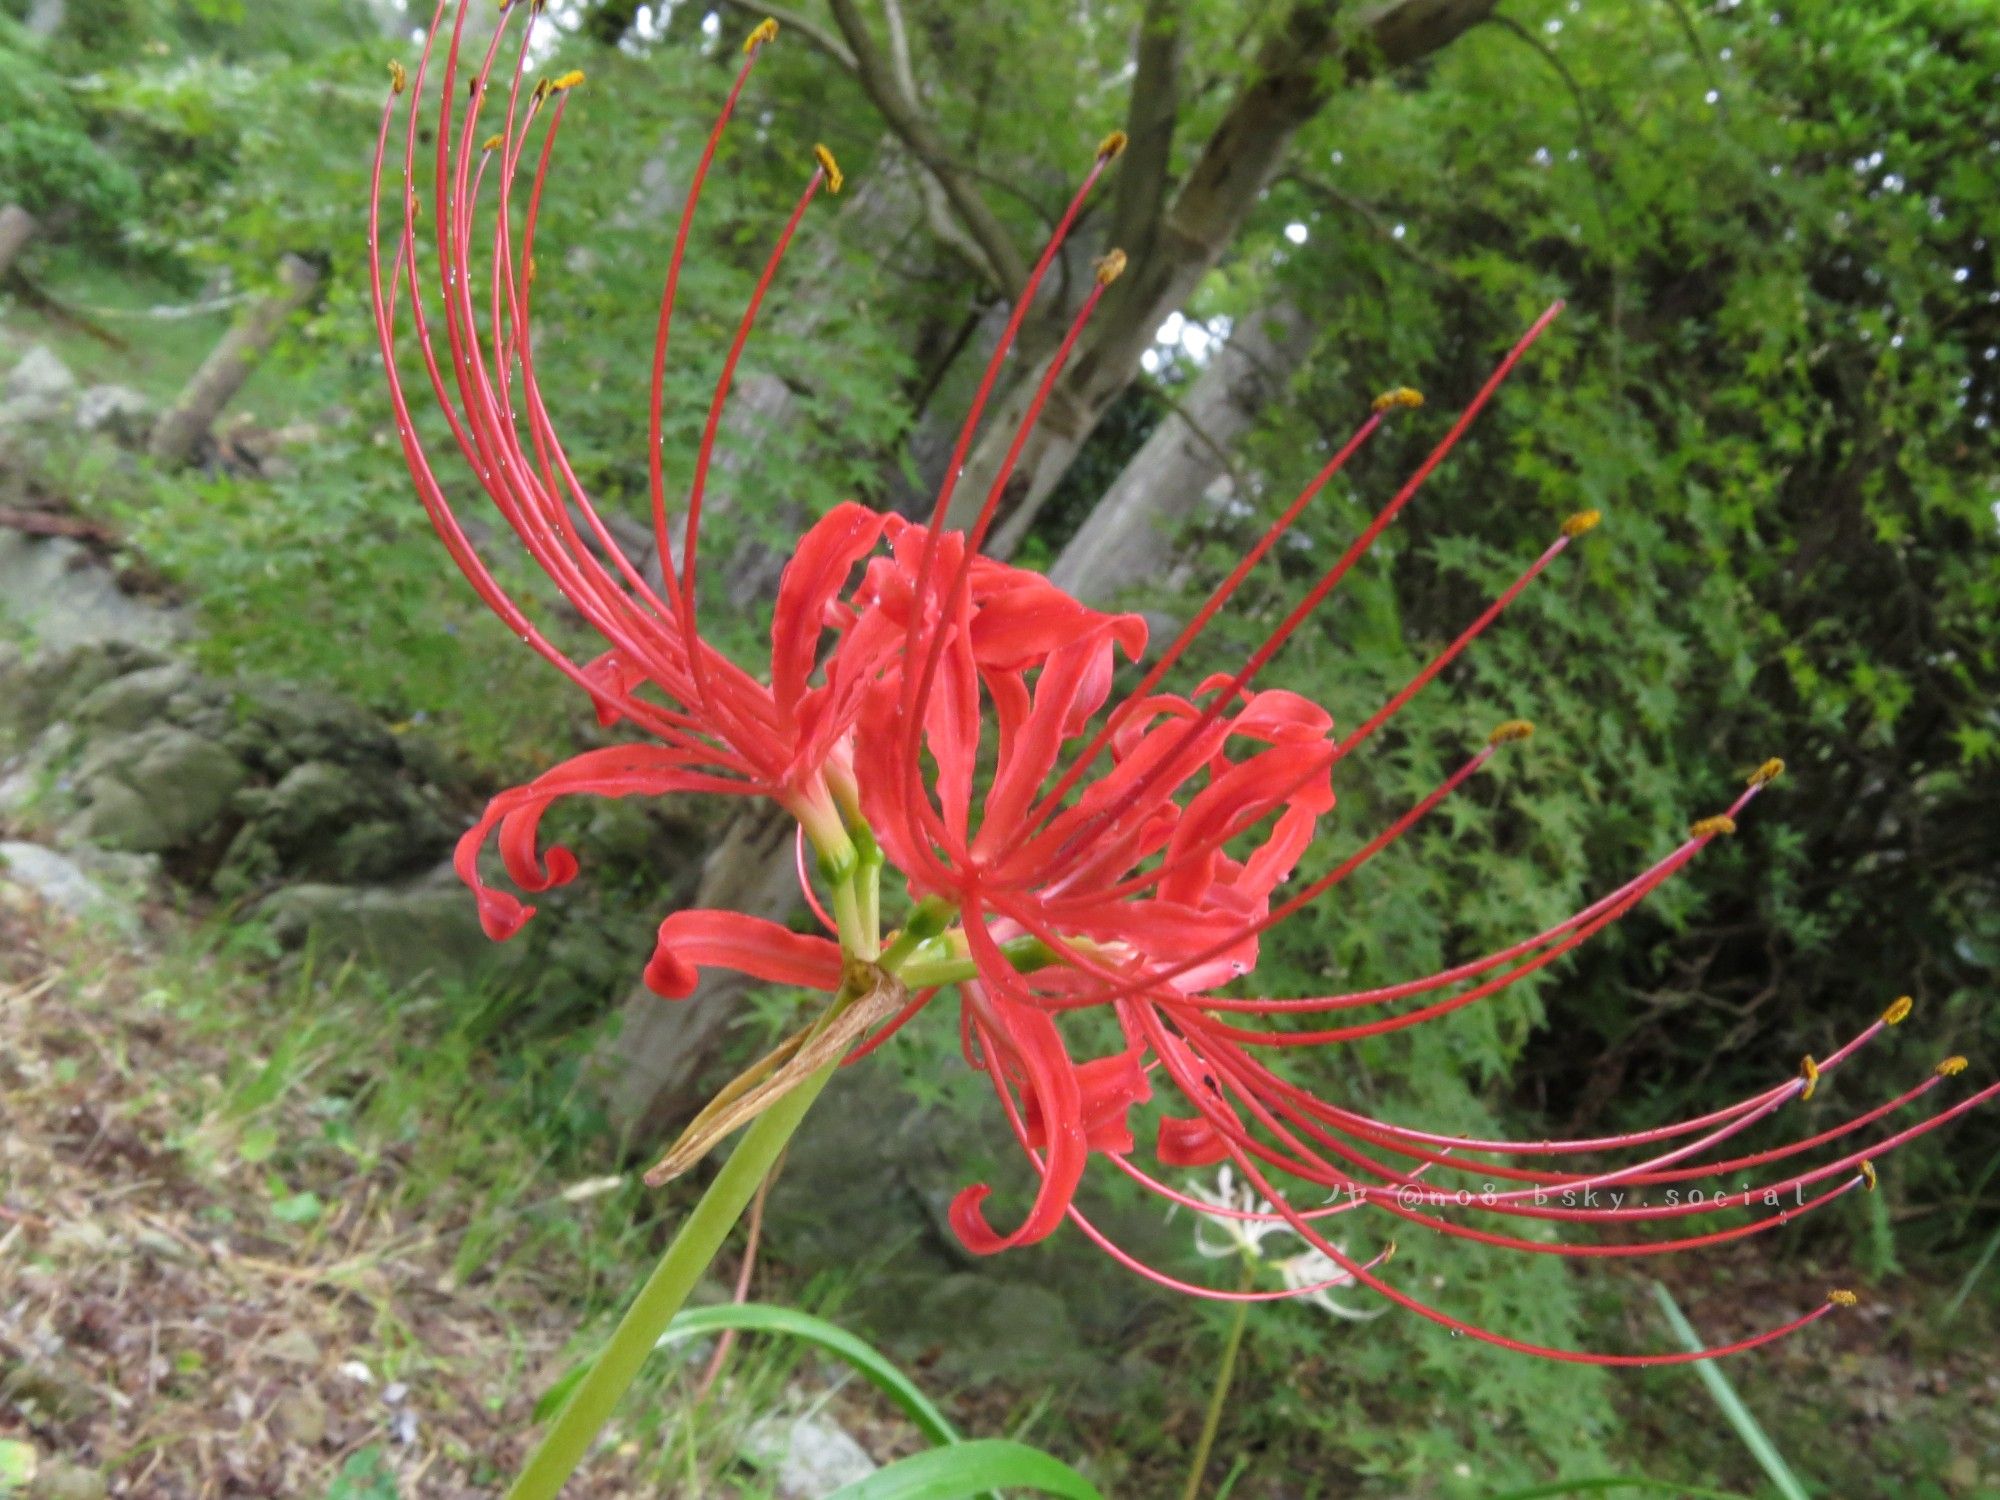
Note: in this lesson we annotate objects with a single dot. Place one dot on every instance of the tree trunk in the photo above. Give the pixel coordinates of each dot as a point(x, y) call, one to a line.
point(1130, 534)
point(1290, 86)
point(648, 1066)
point(184, 426)
point(45, 18)
point(17, 227)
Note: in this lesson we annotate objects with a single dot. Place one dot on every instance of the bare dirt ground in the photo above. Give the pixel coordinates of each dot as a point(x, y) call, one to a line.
point(156, 1333)
point(164, 1334)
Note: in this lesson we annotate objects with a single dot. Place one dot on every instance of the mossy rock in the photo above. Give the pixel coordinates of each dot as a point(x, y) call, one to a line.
point(155, 791)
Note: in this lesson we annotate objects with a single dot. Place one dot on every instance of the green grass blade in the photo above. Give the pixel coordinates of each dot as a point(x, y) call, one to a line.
point(972, 1468)
point(869, 1362)
point(1724, 1394)
point(1971, 1279)
point(1616, 1482)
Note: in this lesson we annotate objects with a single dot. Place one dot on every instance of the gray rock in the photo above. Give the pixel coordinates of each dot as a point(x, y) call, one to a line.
point(58, 880)
point(331, 823)
point(810, 1457)
point(869, 1182)
point(138, 700)
point(37, 388)
point(117, 411)
point(154, 791)
point(59, 593)
point(38, 690)
point(410, 933)
point(1007, 1329)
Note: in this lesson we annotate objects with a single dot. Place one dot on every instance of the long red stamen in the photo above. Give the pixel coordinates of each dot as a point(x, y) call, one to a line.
point(963, 446)
point(1108, 271)
point(1039, 816)
point(655, 459)
point(1328, 581)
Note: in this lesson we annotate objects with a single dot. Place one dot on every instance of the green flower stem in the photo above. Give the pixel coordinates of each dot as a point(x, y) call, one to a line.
point(1225, 1375)
point(590, 1405)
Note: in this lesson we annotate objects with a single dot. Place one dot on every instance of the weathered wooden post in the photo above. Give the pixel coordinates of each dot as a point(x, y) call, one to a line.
point(17, 227)
point(183, 426)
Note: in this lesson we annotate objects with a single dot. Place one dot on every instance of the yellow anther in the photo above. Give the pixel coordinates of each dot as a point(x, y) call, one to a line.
point(1112, 146)
point(541, 92)
point(764, 31)
point(1721, 825)
point(1402, 398)
point(494, 143)
point(834, 176)
point(1109, 266)
point(1513, 729)
point(1868, 1173)
point(1841, 1297)
point(1388, 1254)
point(1898, 1011)
point(1951, 1067)
point(1809, 1071)
point(1767, 773)
point(531, 270)
point(398, 79)
point(567, 80)
point(1582, 521)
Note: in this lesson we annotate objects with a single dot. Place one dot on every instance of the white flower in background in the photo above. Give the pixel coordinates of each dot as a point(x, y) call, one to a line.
point(1221, 1235)
point(1239, 1236)
point(1312, 1268)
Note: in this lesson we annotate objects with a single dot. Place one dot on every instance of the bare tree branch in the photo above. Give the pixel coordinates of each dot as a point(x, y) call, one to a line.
point(812, 31)
point(899, 49)
point(999, 260)
point(1149, 128)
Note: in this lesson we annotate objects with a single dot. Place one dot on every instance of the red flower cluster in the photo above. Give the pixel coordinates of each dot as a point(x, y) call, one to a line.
point(954, 716)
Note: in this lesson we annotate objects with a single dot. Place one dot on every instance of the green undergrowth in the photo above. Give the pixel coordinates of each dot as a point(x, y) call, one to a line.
point(470, 1136)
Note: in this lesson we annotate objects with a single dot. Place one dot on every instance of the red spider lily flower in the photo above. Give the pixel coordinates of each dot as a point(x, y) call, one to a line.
point(712, 726)
point(1062, 852)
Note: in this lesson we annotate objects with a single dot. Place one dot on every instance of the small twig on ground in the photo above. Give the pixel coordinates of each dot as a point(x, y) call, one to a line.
point(751, 1236)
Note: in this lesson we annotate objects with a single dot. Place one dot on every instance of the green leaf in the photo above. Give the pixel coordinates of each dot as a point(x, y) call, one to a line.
point(869, 1362)
point(365, 1476)
point(1738, 1415)
point(18, 1462)
point(1616, 1482)
point(258, 1142)
point(970, 1469)
point(298, 1208)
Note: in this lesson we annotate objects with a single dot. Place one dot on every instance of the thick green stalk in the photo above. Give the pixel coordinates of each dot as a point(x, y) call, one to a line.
point(590, 1405)
point(1225, 1374)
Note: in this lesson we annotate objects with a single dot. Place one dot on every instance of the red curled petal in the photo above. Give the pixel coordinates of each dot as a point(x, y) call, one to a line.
point(1023, 617)
point(609, 678)
point(620, 771)
point(1020, 1045)
point(812, 581)
point(1110, 1087)
point(690, 941)
point(1189, 1143)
